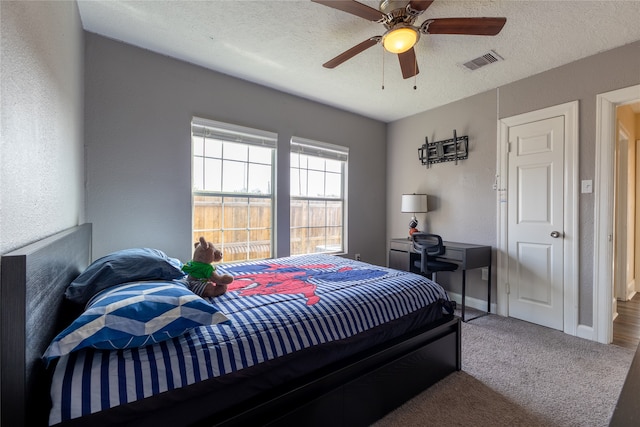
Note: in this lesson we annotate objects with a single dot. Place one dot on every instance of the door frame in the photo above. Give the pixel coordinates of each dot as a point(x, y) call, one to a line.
point(606, 131)
point(571, 232)
point(619, 279)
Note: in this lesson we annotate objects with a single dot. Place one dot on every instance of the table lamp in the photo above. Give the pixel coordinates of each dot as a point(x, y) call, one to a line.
point(414, 203)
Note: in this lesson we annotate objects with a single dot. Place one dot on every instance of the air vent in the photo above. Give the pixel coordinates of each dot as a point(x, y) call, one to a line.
point(486, 59)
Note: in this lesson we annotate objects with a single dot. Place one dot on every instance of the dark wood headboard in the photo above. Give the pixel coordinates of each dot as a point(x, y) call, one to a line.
point(32, 311)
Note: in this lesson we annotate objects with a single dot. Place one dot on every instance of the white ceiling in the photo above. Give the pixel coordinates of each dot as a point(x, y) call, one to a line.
point(283, 44)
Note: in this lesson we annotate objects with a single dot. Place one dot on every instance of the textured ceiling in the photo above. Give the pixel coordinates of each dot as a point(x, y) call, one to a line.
point(283, 44)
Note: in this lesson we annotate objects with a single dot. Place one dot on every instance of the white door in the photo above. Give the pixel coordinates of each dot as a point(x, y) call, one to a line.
point(535, 222)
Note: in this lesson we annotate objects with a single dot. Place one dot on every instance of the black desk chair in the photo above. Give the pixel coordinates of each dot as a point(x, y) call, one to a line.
point(430, 247)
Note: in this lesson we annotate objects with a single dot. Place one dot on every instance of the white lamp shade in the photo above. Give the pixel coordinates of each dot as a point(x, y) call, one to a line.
point(414, 203)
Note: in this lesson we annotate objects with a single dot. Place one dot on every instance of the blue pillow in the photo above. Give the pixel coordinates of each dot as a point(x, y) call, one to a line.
point(128, 265)
point(135, 315)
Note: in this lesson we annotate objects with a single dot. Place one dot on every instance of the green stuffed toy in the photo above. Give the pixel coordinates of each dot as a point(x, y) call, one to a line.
point(202, 277)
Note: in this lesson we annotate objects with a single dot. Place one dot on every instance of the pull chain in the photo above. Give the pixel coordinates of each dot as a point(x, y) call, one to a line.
point(415, 71)
point(383, 68)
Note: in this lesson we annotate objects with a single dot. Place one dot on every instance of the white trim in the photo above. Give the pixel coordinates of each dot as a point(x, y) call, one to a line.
point(620, 289)
point(502, 151)
point(585, 332)
point(606, 104)
point(571, 228)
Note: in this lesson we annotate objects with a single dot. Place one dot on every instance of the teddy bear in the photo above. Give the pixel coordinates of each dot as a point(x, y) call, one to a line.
point(202, 277)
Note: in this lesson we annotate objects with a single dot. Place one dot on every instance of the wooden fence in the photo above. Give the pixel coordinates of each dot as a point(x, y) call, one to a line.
point(241, 226)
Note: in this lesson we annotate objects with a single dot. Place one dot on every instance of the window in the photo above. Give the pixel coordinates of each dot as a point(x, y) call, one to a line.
point(318, 183)
point(233, 194)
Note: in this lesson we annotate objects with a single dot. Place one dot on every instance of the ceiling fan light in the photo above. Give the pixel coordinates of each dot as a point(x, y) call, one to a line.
point(400, 40)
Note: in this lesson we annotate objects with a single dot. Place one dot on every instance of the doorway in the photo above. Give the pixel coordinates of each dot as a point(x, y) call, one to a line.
point(624, 206)
point(626, 329)
point(605, 303)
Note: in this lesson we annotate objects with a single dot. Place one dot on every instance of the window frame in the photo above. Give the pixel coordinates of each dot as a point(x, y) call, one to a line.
point(318, 149)
point(226, 132)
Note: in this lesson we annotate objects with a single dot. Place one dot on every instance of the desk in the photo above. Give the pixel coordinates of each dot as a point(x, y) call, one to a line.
point(467, 256)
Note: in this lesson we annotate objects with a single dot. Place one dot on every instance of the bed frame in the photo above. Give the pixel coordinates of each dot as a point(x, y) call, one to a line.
point(353, 392)
point(32, 284)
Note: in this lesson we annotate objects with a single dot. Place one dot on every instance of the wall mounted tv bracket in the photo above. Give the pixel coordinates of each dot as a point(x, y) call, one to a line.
point(454, 149)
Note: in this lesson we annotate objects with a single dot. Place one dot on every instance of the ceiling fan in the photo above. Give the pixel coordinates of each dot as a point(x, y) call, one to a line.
point(398, 18)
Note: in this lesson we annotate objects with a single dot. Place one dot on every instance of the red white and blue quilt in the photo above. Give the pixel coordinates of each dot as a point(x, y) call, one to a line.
point(275, 307)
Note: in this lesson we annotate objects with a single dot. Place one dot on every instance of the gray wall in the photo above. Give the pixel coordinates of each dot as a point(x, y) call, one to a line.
point(41, 124)
point(581, 80)
point(465, 203)
point(461, 200)
point(41, 108)
point(139, 107)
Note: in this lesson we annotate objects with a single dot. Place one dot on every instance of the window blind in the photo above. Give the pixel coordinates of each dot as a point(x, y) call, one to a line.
point(233, 133)
point(319, 149)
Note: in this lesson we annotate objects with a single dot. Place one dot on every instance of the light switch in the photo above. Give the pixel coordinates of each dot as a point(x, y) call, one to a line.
point(587, 186)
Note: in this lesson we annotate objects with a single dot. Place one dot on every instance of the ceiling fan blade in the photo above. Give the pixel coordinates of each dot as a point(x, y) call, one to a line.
point(352, 52)
point(354, 8)
point(470, 26)
point(408, 63)
point(419, 5)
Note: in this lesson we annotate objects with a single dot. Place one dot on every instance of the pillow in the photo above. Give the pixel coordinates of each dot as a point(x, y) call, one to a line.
point(128, 265)
point(135, 315)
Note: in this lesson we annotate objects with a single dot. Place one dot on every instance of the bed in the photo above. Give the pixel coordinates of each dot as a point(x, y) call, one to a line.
point(339, 366)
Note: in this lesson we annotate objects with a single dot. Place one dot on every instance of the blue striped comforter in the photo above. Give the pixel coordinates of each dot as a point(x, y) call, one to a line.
point(276, 307)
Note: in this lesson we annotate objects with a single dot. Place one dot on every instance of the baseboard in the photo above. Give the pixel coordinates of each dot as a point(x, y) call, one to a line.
point(586, 332)
point(477, 303)
point(631, 290)
point(583, 331)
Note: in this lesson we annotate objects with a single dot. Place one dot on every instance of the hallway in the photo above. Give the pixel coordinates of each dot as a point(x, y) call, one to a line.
point(626, 327)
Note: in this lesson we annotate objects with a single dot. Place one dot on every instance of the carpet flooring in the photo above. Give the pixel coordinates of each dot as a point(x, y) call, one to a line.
point(515, 373)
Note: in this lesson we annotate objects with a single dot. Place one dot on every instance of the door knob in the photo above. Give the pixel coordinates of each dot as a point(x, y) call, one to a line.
point(555, 234)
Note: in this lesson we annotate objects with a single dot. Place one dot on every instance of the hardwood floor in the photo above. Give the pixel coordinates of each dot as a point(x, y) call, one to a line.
point(626, 327)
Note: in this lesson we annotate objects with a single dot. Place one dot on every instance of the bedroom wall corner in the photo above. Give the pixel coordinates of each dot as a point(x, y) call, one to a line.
point(461, 198)
point(41, 142)
point(139, 109)
point(41, 121)
point(580, 81)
